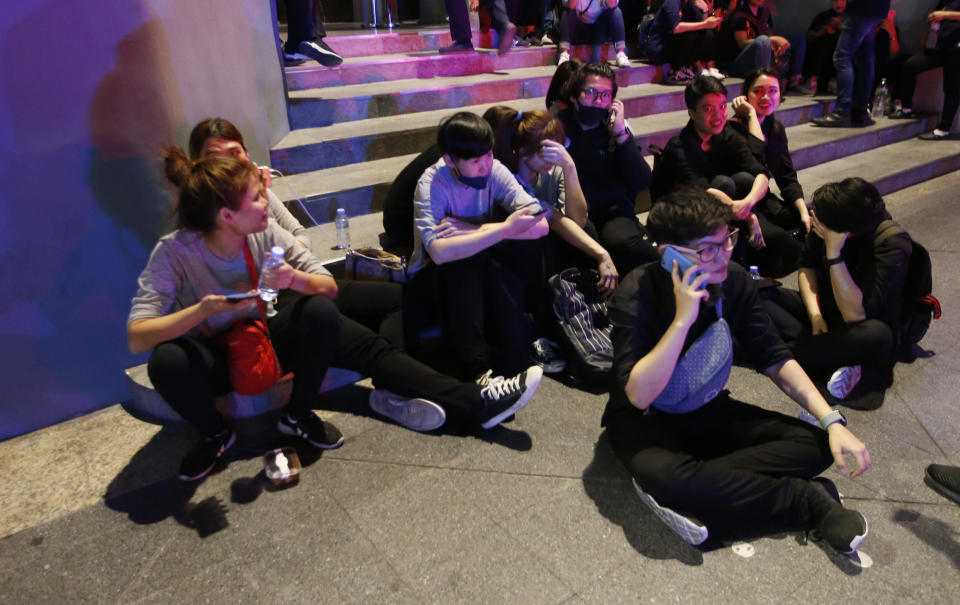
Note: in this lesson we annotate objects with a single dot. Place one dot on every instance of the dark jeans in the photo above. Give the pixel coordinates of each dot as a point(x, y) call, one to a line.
point(853, 60)
point(740, 469)
point(607, 27)
point(868, 342)
point(756, 54)
point(927, 59)
point(303, 22)
point(460, 18)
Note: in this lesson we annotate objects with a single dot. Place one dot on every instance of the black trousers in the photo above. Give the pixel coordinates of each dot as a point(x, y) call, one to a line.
point(619, 231)
point(868, 342)
point(304, 22)
point(460, 18)
point(309, 336)
point(740, 469)
point(819, 59)
point(684, 50)
point(925, 60)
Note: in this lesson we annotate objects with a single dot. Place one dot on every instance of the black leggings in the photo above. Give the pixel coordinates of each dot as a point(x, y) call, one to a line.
point(738, 468)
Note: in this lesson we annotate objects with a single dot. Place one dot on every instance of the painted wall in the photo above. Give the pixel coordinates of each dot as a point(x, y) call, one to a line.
point(89, 94)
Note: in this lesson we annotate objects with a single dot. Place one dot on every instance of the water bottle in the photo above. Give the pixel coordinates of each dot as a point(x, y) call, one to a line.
point(270, 262)
point(343, 229)
point(754, 273)
point(934, 35)
point(880, 100)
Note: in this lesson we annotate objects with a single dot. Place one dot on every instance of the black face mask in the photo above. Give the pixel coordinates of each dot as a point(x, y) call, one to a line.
point(477, 182)
point(591, 116)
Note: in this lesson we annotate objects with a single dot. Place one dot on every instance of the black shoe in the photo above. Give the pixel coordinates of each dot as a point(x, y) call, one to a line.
point(203, 457)
point(505, 39)
point(934, 136)
point(835, 119)
point(945, 480)
point(456, 47)
point(502, 397)
point(843, 529)
point(311, 429)
point(900, 114)
point(317, 50)
point(862, 120)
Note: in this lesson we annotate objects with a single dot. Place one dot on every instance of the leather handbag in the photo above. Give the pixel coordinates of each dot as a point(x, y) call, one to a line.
point(702, 371)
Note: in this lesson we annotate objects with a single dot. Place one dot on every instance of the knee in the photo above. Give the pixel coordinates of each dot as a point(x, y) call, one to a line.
point(763, 43)
point(318, 314)
point(876, 336)
point(724, 184)
point(657, 471)
point(169, 363)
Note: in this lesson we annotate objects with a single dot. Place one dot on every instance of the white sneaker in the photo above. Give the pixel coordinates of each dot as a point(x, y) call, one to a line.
point(716, 73)
point(689, 529)
point(622, 60)
point(563, 57)
point(413, 413)
point(843, 380)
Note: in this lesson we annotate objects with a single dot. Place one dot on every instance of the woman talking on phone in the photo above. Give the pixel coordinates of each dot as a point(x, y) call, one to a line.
point(611, 168)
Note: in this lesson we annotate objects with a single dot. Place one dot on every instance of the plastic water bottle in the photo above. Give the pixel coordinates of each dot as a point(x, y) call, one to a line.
point(343, 229)
point(880, 100)
point(754, 273)
point(270, 262)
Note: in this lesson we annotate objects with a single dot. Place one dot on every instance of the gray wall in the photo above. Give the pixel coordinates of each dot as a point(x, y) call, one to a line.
point(90, 91)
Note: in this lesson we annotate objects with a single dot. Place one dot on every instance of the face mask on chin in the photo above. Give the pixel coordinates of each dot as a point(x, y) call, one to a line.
point(591, 116)
point(477, 182)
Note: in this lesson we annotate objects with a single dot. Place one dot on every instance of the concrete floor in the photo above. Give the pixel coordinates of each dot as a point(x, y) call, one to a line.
point(536, 511)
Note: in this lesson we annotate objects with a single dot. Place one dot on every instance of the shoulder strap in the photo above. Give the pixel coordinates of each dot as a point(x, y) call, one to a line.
point(252, 272)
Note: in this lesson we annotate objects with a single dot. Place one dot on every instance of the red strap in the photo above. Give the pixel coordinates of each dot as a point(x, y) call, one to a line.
point(252, 272)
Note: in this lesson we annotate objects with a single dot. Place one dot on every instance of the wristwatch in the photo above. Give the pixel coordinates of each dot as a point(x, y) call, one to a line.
point(827, 262)
point(831, 418)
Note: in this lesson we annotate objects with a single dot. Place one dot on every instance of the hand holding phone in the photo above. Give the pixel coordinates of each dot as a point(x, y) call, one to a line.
point(671, 255)
point(241, 296)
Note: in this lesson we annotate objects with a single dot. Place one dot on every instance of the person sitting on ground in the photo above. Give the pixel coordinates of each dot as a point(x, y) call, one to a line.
point(611, 167)
point(710, 155)
point(593, 21)
point(554, 99)
point(781, 220)
point(738, 469)
point(376, 305)
point(181, 313)
point(305, 34)
point(852, 273)
point(751, 43)
point(684, 34)
point(946, 54)
point(475, 232)
point(822, 36)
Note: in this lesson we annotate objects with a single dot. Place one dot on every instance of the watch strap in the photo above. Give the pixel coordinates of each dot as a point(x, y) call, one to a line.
point(831, 418)
point(828, 262)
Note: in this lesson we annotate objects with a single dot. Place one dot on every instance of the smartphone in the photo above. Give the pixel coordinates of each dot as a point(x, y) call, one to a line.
point(543, 212)
point(671, 254)
point(241, 296)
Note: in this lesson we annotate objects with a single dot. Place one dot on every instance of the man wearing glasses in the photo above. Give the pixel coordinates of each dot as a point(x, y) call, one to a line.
point(737, 469)
point(611, 168)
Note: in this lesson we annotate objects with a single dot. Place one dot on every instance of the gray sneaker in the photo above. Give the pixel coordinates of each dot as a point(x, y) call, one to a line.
point(689, 529)
point(413, 413)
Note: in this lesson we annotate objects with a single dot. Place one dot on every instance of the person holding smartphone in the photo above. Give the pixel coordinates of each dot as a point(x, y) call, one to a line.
point(726, 469)
point(611, 167)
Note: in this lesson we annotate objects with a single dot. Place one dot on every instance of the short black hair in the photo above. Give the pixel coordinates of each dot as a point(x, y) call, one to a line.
point(701, 87)
point(464, 135)
point(686, 214)
point(559, 81)
point(755, 74)
point(852, 205)
point(574, 85)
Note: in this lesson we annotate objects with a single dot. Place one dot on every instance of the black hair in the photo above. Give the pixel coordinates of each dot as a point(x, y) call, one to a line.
point(754, 75)
point(558, 82)
point(574, 85)
point(686, 214)
point(701, 87)
point(852, 205)
point(464, 135)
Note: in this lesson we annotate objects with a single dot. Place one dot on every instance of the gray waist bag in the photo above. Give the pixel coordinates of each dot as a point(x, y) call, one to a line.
point(701, 372)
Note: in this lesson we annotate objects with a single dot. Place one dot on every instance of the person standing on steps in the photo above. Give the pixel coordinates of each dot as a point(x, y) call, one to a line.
point(460, 25)
point(305, 34)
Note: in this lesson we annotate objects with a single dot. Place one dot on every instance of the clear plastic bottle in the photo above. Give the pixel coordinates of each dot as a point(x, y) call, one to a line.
point(268, 292)
point(343, 229)
point(754, 272)
point(880, 98)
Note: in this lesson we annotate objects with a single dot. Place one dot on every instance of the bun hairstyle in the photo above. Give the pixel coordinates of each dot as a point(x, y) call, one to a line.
point(206, 185)
point(521, 134)
point(220, 128)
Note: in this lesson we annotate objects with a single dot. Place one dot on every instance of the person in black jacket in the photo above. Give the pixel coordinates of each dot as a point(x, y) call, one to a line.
point(611, 167)
point(782, 221)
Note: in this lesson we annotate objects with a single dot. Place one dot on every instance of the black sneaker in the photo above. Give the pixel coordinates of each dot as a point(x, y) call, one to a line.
point(318, 50)
point(546, 354)
point(902, 114)
point(203, 457)
point(506, 38)
point(503, 397)
point(311, 429)
point(835, 119)
point(945, 480)
point(456, 47)
point(843, 529)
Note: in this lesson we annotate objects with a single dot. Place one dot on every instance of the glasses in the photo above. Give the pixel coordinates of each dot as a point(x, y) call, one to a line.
point(711, 251)
point(597, 94)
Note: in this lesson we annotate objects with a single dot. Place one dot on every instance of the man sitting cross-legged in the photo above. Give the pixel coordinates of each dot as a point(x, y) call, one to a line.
point(739, 469)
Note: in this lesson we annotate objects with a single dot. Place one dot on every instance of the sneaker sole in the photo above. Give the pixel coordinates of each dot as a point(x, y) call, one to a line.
point(689, 531)
point(324, 57)
point(839, 389)
point(941, 489)
point(230, 442)
point(528, 393)
point(376, 407)
point(296, 432)
point(858, 540)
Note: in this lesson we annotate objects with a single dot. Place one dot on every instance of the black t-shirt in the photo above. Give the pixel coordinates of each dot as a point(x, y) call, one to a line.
point(949, 34)
point(823, 18)
point(868, 8)
point(643, 307)
point(774, 153)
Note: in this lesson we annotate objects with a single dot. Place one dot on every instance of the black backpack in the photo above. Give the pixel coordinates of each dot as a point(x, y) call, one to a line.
point(581, 311)
point(919, 304)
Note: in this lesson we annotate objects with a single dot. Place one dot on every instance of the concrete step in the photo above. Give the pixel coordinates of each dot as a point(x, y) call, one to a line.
point(361, 188)
point(318, 107)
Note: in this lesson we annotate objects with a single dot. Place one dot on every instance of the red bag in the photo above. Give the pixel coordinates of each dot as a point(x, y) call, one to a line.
point(253, 364)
